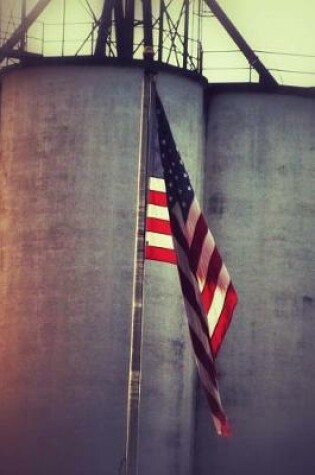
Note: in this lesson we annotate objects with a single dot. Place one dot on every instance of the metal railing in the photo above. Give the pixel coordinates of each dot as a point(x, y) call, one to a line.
point(73, 39)
point(230, 66)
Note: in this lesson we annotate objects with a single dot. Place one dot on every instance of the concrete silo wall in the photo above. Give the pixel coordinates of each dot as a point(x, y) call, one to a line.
point(70, 140)
point(259, 199)
point(68, 194)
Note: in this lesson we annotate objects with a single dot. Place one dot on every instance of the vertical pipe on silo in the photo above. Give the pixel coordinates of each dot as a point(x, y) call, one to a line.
point(134, 385)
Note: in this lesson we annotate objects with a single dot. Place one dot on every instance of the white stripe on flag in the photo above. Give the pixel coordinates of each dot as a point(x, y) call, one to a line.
point(157, 184)
point(159, 212)
point(208, 246)
point(218, 299)
point(192, 218)
point(159, 240)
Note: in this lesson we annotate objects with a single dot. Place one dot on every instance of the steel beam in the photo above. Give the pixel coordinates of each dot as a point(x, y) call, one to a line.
point(264, 75)
point(129, 27)
point(161, 27)
point(147, 23)
point(23, 16)
point(104, 25)
point(186, 34)
point(20, 31)
point(120, 28)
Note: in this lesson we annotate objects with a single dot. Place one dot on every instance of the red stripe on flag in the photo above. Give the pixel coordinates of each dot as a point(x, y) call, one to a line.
point(160, 226)
point(201, 231)
point(160, 254)
point(157, 198)
point(215, 404)
point(214, 268)
point(224, 428)
point(224, 320)
point(190, 297)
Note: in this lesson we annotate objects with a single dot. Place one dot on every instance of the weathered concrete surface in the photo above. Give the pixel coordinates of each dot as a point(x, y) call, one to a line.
point(70, 139)
point(259, 198)
point(70, 146)
point(70, 143)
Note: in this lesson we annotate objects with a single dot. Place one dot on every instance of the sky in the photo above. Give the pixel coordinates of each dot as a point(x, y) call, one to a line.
point(285, 26)
point(281, 31)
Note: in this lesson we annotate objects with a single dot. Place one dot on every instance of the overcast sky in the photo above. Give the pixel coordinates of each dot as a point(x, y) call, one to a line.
point(278, 25)
point(274, 26)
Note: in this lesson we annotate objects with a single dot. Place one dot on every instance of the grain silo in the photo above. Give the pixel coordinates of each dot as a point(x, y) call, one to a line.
point(70, 140)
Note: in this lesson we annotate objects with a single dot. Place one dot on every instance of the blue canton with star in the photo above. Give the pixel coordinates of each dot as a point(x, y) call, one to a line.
point(178, 186)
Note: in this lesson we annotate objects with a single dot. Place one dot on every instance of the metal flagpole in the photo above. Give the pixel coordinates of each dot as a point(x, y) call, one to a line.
point(134, 386)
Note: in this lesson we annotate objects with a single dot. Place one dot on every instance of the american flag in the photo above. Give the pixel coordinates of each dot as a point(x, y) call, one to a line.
point(176, 232)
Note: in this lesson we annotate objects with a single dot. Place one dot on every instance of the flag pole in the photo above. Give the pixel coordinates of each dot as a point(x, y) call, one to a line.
point(134, 383)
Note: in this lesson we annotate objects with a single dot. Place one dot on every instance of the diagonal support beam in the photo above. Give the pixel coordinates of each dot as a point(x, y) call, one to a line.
point(264, 75)
point(104, 25)
point(20, 31)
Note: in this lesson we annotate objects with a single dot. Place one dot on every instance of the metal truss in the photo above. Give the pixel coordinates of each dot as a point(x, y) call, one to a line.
point(167, 31)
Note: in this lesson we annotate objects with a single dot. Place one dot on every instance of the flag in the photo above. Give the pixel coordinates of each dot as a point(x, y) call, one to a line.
point(159, 240)
point(176, 232)
point(218, 295)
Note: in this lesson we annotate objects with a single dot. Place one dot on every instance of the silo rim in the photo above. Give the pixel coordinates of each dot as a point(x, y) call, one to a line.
point(156, 67)
point(230, 88)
